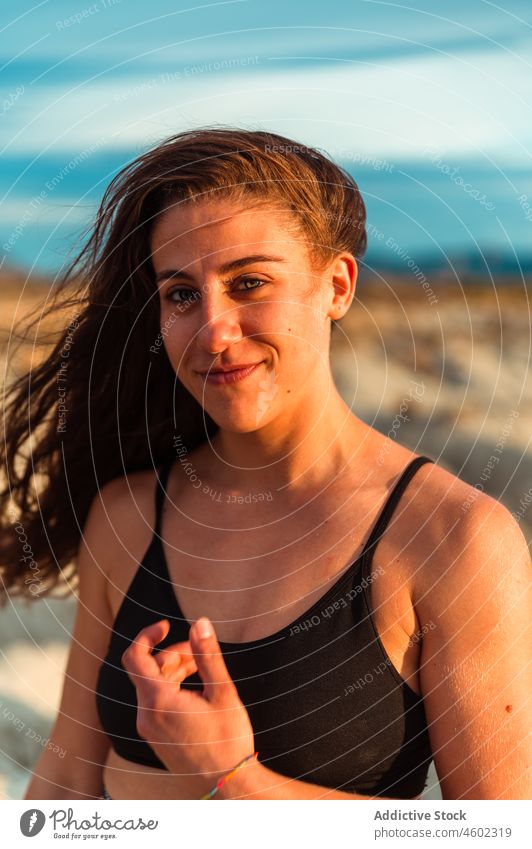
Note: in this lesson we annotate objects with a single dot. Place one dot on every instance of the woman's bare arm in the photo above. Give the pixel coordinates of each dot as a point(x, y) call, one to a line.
point(474, 597)
point(77, 730)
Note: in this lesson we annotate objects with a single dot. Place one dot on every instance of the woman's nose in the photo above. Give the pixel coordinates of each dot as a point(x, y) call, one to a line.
point(220, 327)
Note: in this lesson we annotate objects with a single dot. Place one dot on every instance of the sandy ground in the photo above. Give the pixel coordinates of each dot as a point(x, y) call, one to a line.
point(461, 367)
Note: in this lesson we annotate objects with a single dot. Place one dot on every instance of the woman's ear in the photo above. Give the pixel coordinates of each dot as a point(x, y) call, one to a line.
point(342, 275)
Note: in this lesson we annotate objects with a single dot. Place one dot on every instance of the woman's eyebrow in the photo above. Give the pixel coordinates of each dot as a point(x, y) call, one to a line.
point(232, 265)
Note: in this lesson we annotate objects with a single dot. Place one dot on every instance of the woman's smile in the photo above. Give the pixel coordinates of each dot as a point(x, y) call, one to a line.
point(223, 377)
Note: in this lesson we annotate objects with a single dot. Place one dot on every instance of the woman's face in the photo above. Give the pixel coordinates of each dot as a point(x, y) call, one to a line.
point(237, 288)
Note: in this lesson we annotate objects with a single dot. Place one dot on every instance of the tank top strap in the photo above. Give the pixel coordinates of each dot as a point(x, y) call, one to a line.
point(160, 493)
point(389, 506)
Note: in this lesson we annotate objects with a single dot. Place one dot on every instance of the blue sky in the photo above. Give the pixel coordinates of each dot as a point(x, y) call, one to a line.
point(427, 89)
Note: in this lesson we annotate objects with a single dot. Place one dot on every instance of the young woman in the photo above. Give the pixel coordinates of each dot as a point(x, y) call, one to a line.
point(369, 608)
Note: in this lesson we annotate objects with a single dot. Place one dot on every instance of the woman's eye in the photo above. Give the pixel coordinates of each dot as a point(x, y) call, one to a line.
point(190, 295)
point(183, 296)
point(252, 280)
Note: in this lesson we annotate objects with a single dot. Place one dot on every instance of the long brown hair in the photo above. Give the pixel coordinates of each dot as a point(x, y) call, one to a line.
point(105, 401)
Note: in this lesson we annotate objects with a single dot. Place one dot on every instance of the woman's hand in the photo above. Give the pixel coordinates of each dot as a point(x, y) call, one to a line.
point(198, 736)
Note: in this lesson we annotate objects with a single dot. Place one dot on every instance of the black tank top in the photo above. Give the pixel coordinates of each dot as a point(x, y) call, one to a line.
point(325, 702)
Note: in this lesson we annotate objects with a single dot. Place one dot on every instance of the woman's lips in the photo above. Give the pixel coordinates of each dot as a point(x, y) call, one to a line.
point(222, 377)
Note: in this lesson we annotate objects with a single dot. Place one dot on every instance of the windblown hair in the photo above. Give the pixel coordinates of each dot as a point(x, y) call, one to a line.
point(105, 401)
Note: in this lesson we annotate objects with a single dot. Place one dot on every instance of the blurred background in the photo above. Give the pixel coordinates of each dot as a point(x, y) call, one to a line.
point(428, 107)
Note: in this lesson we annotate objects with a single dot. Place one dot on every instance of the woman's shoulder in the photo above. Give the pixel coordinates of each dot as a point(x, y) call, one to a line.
point(133, 490)
point(442, 495)
point(121, 517)
point(446, 525)
point(438, 498)
point(434, 489)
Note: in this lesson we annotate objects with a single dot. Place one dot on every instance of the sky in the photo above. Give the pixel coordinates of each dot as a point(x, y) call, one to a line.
point(411, 99)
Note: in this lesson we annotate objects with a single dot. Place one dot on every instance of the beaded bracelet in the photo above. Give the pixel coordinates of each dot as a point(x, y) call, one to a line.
point(227, 775)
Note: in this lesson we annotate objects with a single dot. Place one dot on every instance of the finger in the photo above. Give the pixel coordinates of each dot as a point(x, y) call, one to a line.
point(137, 659)
point(176, 662)
point(177, 673)
point(182, 650)
point(217, 683)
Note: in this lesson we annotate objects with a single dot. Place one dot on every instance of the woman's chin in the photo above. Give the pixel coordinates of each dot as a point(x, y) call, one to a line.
point(238, 422)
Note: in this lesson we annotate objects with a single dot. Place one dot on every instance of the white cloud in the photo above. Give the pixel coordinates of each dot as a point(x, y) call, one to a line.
point(472, 103)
